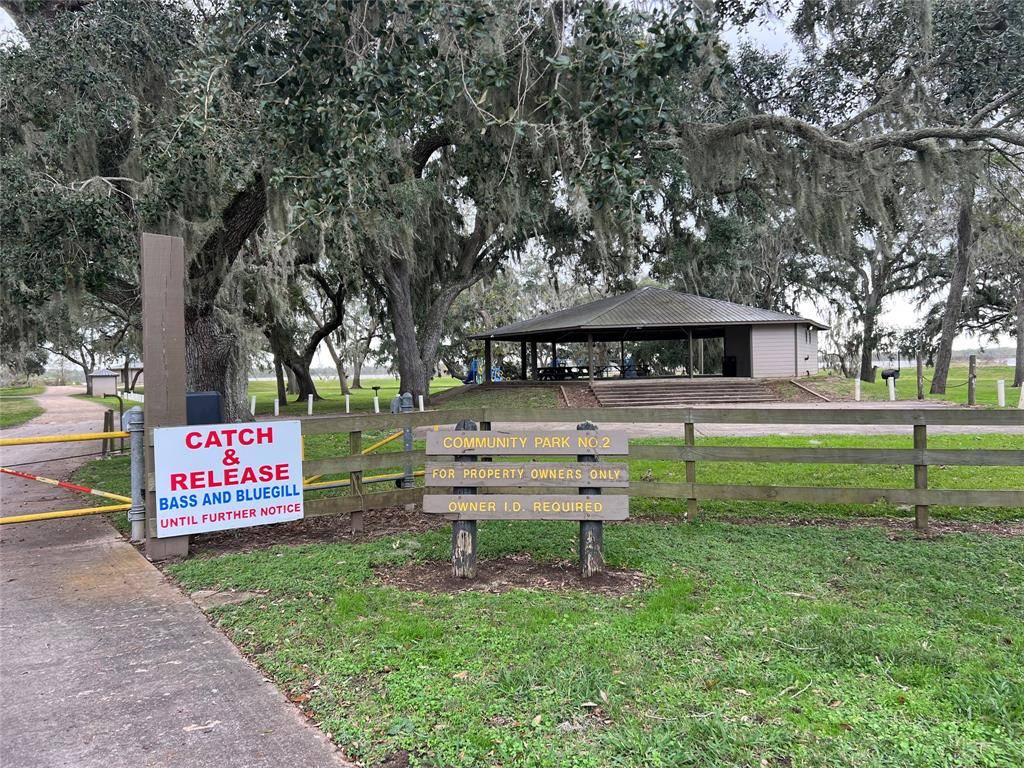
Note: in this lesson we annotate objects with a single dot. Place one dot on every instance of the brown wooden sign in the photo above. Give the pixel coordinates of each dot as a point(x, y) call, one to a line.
point(502, 506)
point(527, 443)
point(543, 474)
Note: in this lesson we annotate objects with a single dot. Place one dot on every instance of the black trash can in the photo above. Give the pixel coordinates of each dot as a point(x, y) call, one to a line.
point(203, 408)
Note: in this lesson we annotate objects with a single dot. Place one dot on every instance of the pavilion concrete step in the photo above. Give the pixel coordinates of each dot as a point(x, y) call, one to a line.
point(647, 393)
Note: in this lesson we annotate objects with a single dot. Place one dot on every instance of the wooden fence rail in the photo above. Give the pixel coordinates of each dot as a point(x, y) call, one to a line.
point(691, 455)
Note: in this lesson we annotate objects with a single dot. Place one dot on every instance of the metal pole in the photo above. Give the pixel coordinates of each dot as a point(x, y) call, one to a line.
point(405, 406)
point(136, 428)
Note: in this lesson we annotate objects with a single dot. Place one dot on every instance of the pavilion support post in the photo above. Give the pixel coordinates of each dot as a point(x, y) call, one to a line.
point(554, 353)
point(689, 351)
point(700, 356)
point(487, 361)
point(622, 359)
point(522, 360)
point(590, 356)
point(533, 359)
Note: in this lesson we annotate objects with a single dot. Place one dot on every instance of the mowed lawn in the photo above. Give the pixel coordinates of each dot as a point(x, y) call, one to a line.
point(17, 405)
point(750, 646)
point(956, 385)
point(360, 400)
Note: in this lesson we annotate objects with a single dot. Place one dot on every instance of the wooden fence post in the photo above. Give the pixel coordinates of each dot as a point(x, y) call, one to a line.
point(464, 531)
point(921, 476)
point(691, 470)
point(591, 544)
point(355, 448)
point(972, 380)
point(107, 444)
point(920, 376)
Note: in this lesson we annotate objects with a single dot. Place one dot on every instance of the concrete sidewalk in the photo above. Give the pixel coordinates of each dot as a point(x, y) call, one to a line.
point(103, 662)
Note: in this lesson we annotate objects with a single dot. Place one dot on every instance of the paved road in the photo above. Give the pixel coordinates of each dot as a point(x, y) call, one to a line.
point(104, 663)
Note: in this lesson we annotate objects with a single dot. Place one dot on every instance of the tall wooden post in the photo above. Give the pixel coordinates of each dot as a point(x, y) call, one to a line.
point(591, 544)
point(554, 353)
point(921, 476)
point(533, 359)
point(163, 354)
point(522, 360)
point(622, 359)
point(590, 356)
point(464, 531)
point(920, 375)
point(487, 361)
point(355, 448)
point(972, 380)
point(689, 439)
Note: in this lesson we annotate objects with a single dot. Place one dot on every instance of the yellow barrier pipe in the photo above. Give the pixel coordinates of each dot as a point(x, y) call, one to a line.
point(365, 451)
point(66, 513)
point(375, 478)
point(8, 441)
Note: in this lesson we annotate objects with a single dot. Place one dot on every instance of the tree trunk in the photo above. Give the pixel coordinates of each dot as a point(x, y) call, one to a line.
point(357, 371)
point(293, 381)
point(1018, 371)
point(954, 301)
point(299, 369)
point(339, 364)
point(867, 347)
point(412, 373)
point(215, 361)
point(282, 391)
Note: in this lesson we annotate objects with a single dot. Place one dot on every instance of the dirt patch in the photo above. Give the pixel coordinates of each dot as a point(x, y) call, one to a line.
point(377, 524)
point(788, 392)
point(399, 759)
point(578, 396)
point(510, 572)
point(895, 525)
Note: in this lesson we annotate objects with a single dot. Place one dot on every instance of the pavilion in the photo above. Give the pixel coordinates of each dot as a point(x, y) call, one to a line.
point(758, 343)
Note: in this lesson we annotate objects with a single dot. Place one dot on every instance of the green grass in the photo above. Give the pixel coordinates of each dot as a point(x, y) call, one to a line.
point(17, 407)
point(510, 396)
point(361, 400)
point(906, 386)
point(21, 391)
point(754, 646)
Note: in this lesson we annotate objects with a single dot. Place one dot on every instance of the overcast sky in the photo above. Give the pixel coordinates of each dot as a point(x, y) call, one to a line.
point(899, 311)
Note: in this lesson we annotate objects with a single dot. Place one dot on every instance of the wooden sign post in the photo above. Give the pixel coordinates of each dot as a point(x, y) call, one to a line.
point(163, 353)
point(465, 506)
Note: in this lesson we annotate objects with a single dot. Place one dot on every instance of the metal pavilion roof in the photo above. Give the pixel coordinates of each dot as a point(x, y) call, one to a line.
point(646, 308)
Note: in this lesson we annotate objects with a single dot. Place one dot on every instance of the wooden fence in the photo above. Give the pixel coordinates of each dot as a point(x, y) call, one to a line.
point(920, 456)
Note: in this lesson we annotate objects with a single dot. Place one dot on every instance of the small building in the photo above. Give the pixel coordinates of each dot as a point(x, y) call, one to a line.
point(102, 383)
point(756, 343)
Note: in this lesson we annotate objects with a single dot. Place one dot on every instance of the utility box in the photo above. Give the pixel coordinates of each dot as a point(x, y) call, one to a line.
point(203, 408)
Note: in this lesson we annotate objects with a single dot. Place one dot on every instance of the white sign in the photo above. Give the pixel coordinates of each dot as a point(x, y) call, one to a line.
point(218, 476)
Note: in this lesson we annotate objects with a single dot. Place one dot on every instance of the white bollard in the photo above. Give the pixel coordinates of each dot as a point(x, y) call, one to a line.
point(1001, 392)
point(252, 405)
point(376, 404)
point(1020, 402)
point(346, 404)
point(309, 405)
point(277, 407)
point(421, 403)
point(892, 388)
point(856, 390)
